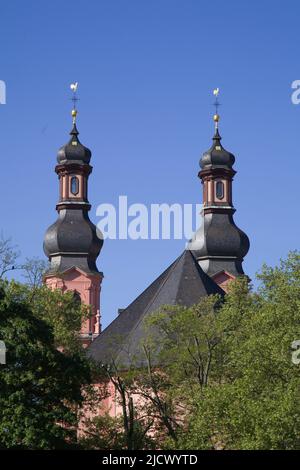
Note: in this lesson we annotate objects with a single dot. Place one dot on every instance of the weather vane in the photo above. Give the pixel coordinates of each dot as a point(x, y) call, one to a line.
point(74, 98)
point(217, 105)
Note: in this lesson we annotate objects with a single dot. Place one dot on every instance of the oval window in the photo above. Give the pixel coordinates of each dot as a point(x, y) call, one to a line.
point(220, 189)
point(74, 185)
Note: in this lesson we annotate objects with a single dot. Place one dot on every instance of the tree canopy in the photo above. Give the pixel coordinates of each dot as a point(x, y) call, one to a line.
point(221, 375)
point(230, 367)
point(41, 386)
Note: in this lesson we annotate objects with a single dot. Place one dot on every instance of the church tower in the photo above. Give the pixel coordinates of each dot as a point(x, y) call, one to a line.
point(71, 243)
point(219, 245)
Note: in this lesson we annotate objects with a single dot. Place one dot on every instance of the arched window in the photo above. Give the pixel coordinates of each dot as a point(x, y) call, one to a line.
point(74, 185)
point(220, 189)
point(76, 297)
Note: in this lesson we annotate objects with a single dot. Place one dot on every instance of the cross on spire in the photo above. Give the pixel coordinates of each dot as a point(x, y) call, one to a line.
point(217, 104)
point(74, 98)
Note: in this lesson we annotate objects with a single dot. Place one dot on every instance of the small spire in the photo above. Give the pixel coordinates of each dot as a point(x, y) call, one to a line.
point(74, 130)
point(216, 104)
point(217, 136)
point(74, 98)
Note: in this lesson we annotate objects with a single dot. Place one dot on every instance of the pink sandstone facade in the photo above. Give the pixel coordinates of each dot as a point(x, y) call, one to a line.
point(223, 279)
point(88, 287)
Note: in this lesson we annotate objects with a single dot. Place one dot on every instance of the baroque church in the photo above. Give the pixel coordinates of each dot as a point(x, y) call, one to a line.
point(213, 258)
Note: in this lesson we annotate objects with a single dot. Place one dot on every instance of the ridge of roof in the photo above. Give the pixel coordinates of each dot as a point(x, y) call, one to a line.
point(182, 283)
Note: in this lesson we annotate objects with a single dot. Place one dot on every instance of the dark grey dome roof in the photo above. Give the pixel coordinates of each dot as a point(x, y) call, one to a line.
point(74, 151)
point(217, 156)
point(73, 234)
point(219, 236)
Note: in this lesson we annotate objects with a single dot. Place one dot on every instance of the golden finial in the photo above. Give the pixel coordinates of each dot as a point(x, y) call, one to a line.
point(216, 104)
point(74, 87)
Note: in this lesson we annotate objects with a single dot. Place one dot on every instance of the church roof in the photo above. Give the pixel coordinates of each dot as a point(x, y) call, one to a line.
point(182, 283)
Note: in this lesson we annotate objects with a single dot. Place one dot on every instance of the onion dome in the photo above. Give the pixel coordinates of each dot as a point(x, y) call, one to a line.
point(73, 240)
point(217, 156)
point(218, 236)
point(74, 151)
point(219, 245)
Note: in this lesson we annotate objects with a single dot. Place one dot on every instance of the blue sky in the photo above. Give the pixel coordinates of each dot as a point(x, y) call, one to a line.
point(146, 71)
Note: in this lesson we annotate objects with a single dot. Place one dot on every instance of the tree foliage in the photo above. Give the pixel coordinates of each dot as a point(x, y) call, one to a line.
point(41, 386)
point(34, 270)
point(8, 255)
point(217, 375)
point(236, 361)
point(221, 375)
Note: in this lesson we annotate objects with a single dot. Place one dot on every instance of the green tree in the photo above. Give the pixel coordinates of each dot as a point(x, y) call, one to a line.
point(130, 429)
point(41, 388)
point(34, 270)
point(230, 364)
point(103, 432)
point(8, 256)
point(59, 310)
